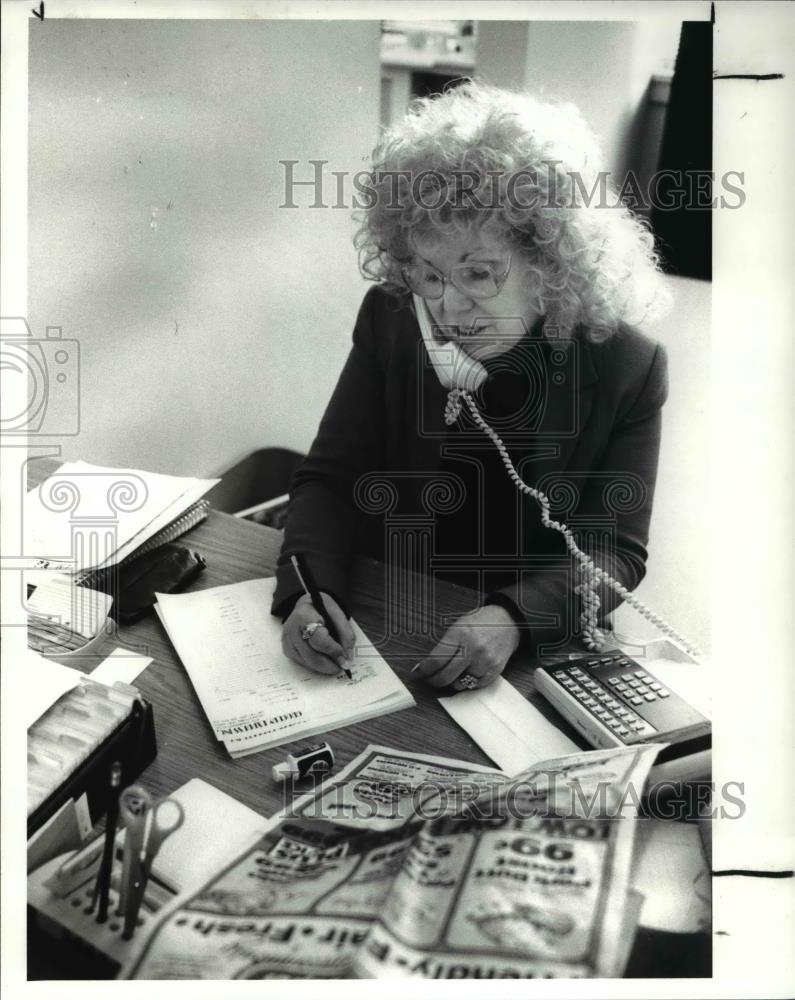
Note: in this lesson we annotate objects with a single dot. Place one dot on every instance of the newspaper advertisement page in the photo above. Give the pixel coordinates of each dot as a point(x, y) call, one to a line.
point(504, 898)
point(297, 905)
point(300, 901)
point(382, 788)
point(408, 864)
point(532, 883)
point(604, 783)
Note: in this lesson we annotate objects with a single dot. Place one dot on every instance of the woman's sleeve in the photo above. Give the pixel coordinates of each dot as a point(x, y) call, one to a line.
point(322, 517)
point(620, 492)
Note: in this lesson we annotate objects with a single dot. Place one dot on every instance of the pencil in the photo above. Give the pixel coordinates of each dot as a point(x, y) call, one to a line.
point(310, 587)
point(103, 878)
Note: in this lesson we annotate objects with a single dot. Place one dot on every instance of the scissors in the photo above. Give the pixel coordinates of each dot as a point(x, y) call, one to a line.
point(134, 804)
point(166, 816)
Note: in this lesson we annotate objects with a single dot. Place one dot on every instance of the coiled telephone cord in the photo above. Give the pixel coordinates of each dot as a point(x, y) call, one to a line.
point(591, 576)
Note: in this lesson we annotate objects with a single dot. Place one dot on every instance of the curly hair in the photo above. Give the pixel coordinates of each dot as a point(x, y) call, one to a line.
point(477, 157)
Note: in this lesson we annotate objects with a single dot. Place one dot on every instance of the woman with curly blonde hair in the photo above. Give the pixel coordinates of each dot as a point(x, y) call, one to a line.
point(529, 174)
point(496, 388)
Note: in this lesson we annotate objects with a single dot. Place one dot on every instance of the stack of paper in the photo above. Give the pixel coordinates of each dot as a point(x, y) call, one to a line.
point(254, 696)
point(61, 615)
point(87, 517)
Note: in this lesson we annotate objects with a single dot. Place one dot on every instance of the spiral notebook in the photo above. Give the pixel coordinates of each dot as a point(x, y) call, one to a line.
point(87, 517)
point(52, 632)
point(194, 515)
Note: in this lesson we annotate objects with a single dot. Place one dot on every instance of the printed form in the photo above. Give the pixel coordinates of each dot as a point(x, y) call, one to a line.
point(253, 694)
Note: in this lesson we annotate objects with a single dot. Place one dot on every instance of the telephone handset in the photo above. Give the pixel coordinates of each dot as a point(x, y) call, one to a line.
point(461, 374)
point(454, 368)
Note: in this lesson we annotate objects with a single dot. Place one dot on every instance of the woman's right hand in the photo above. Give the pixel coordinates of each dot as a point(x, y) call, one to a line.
point(319, 652)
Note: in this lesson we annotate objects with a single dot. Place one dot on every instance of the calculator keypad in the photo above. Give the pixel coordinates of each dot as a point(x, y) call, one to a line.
point(609, 702)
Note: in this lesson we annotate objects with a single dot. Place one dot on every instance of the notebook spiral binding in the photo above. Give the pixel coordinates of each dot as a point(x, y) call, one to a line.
point(194, 515)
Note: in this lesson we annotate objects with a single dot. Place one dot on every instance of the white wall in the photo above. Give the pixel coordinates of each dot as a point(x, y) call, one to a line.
point(211, 321)
point(603, 67)
point(502, 53)
point(681, 562)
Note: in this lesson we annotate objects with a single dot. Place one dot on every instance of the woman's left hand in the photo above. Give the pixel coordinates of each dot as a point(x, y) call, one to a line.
point(473, 652)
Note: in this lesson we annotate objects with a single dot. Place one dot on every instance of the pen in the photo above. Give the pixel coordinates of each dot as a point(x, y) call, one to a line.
point(134, 804)
point(103, 878)
point(310, 587)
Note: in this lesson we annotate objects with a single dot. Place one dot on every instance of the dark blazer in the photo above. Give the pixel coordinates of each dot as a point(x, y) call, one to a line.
point(580, 420)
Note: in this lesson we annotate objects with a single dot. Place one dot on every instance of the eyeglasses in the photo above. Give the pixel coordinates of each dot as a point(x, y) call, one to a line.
point(477, 280)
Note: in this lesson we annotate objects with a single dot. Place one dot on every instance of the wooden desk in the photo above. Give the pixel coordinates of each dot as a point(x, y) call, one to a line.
point(238, 550)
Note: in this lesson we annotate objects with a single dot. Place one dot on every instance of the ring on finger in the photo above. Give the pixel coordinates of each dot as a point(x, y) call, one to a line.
point(468, 681)
point(309, 631)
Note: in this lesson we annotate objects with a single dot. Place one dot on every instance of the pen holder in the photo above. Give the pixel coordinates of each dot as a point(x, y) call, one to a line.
point(58, 903)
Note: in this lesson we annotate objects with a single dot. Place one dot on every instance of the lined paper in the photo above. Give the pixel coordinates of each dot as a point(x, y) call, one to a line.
point(78, 609)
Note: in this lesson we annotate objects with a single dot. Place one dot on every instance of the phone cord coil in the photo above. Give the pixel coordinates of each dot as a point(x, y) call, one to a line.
point(591, 575)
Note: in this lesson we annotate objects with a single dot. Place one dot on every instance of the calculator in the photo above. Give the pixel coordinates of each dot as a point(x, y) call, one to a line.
point(613, 702)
